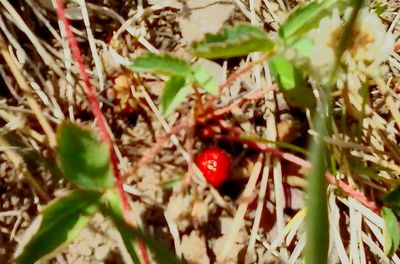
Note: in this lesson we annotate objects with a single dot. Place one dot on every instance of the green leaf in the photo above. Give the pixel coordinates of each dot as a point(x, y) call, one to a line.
point(305, 18)
point(205, 80)
point(292, 84)
point(396, 210)
point(391, 232)
point(174, 93)
point(392, 197)
point(316, 250)
point(58, 223)
point(84, 160)
point(112, 208)
point(317, 244)
point(233, 42)
point(304, 46)
point(379, 7)
point(161, 64)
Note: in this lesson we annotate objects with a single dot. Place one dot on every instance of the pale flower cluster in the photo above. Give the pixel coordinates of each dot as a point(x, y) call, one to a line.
point(369, 46)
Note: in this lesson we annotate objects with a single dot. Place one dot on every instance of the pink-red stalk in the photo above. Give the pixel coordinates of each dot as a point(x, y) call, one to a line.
point(101, 122)
point(302, 163)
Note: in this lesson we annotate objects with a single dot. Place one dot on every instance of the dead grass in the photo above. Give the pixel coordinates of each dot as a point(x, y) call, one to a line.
point(258, 217)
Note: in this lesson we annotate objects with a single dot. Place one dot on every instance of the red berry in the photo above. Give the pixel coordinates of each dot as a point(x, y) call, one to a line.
point(214, 164)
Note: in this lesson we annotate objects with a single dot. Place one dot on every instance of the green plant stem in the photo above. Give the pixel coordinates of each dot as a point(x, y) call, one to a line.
point(317, 213)
point(317, 219)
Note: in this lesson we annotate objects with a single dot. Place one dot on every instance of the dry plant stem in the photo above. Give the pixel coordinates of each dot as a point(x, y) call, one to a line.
point(305, 164)
point(189, 145)
point(330, 178)
point(234, 76)
point(33, 105)
point(18, 163)
point(24, 130)
point(389, 100)
point(252, 96)
point(260, 206)
point(241, 211)
point(20, 23)
point(152, 152)
point(100, 118)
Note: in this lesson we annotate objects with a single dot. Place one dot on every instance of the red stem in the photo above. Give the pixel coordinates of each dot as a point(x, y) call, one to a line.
point(76, 53)
point(101, 122)
point(302, 163)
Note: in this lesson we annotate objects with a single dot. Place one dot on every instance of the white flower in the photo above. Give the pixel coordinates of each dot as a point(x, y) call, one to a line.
point(369, 46)
point(323, 55)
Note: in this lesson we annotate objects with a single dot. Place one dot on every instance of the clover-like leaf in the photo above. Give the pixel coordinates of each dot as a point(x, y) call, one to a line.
point(57, 224)
point(130, 235)
point(162, 64)
point(174, 93)
point(304, 18)
point(292, 84)
point(233, 42)
point(84, 160)
point(391, 231)
point(205, 80)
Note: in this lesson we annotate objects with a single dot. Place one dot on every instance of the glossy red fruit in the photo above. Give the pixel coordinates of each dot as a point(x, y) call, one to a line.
point(215, 165)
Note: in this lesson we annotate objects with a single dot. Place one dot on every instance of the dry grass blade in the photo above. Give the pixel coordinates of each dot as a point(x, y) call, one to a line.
point(241, 210)
point(251, 118)
point(28, 93)
point(47, 58)
point(19, 164)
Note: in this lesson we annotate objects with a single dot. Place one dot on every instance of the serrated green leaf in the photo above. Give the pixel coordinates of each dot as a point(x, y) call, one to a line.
point(205, 80)
point(292, 84)
point(58, 223)
point(233, 42)
point(391, 232)
point(305, 18)
point(84, 160)
point(174, 93)
point(162, 64)
point(112, 208)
